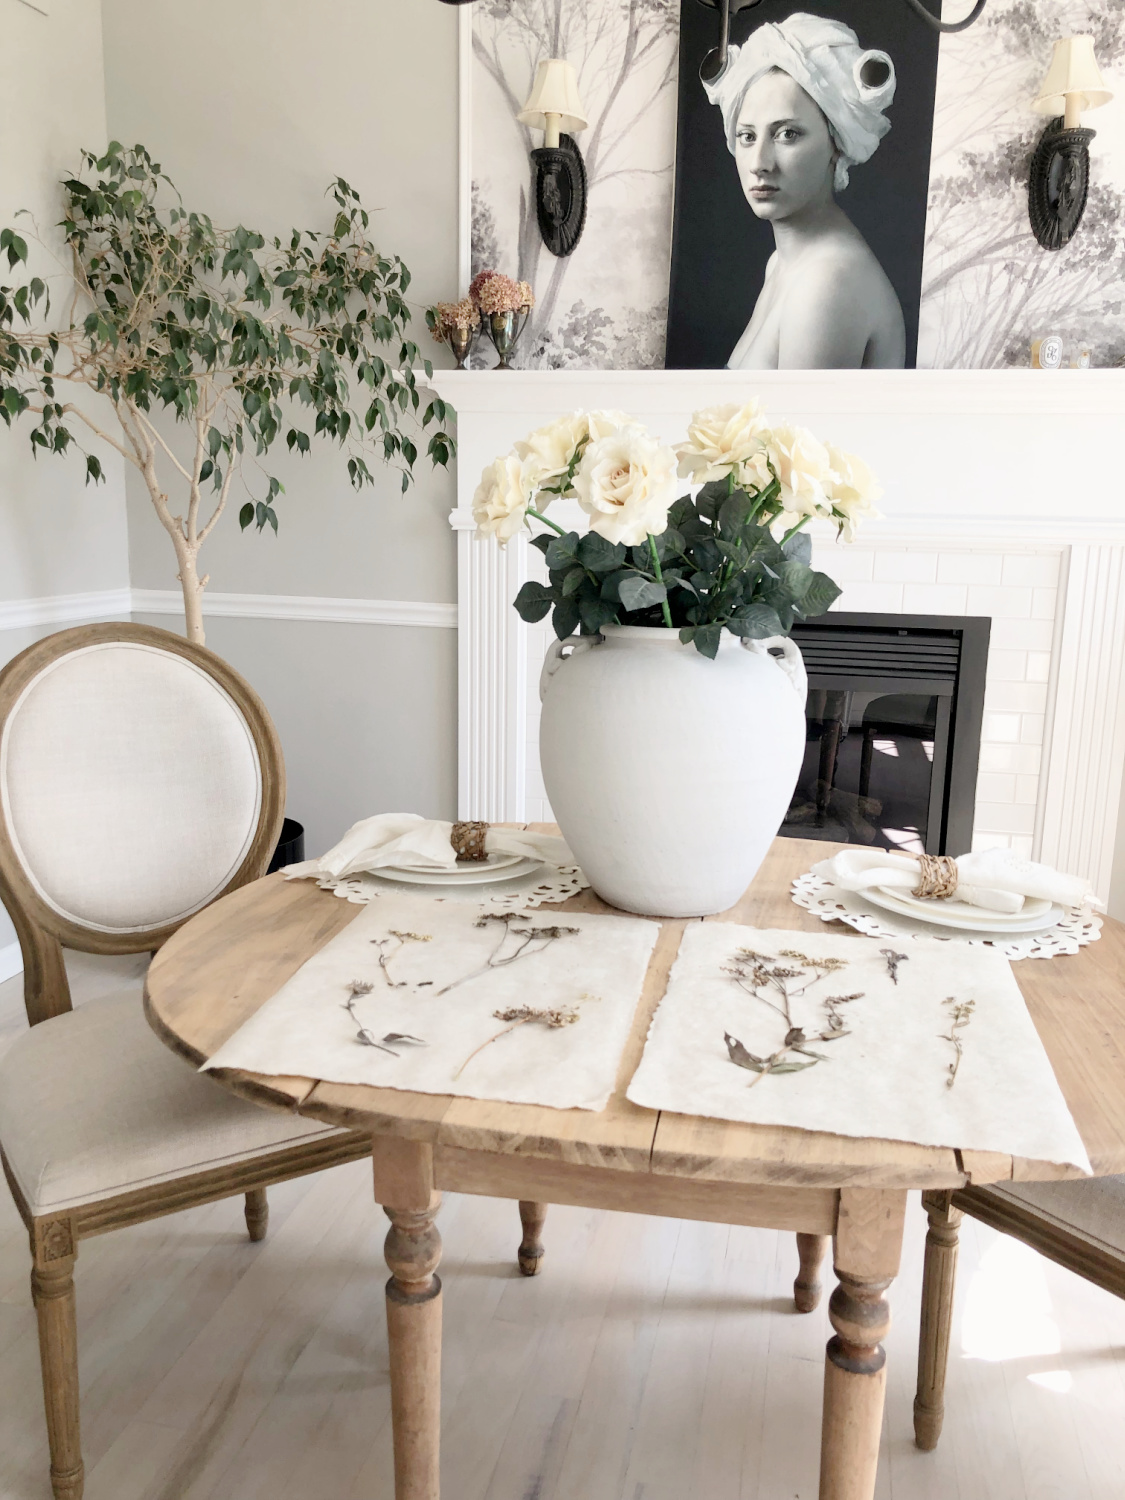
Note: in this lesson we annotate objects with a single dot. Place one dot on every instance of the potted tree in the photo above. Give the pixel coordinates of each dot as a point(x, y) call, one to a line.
point(234, 337)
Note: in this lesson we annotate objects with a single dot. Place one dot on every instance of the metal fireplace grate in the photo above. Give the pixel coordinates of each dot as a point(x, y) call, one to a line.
point(893, 730)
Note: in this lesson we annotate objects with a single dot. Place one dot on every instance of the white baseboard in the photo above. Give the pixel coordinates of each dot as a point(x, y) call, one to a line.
point(11, 962)
point(119, 604)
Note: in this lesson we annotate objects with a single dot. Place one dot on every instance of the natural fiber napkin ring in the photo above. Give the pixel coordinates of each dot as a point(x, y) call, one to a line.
point(937, 877)
point(468, 841)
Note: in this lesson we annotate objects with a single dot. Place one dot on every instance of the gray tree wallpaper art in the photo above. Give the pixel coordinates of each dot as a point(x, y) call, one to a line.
point(606, 305)
point(988, 289)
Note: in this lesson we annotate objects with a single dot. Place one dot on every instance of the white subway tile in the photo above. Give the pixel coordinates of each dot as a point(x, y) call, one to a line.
point(1038, 666)
point(970, 567)
point(995, 788)
point(905, 567)
point(1016, 759)
point(1022, 635)
point(990, 841)
point(934, 599)
point(1004, 817)
point(1001, 603)
point(1031, 729)
point(879, 598)
point(1043, 603)
point(1027, 789)
point(842, 563)
point(1032, 571)
point(1001, 729)
point(1022, 844)
point(1016, 697)
point(1007, 666)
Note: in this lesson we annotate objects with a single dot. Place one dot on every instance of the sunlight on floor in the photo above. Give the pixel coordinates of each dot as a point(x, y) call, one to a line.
point(1008, 1311)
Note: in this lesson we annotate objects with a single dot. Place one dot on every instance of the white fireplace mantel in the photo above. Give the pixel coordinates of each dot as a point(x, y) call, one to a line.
point(1004, 494)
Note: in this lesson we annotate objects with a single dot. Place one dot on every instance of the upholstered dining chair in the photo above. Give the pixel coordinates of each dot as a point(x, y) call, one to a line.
point(1080, 1224)
point(140, 779)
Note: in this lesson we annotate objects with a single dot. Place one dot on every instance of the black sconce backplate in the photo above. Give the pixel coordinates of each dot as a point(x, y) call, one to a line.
point(560, 194)
point(1059, 182)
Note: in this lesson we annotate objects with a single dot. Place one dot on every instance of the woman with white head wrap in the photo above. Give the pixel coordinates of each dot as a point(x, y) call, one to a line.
point(802, 103)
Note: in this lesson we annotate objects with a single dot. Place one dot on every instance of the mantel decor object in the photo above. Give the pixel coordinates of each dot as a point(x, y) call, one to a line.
point(554, 107)
point(673, 723)
point(1060, 169)
point(504, 307)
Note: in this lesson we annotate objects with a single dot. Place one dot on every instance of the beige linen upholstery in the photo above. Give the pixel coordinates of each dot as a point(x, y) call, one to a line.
point(130, 784)
point(1095, 1208)
point(132, 1113)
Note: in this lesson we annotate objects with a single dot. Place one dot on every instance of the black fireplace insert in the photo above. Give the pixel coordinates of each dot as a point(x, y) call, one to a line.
point(893, 726)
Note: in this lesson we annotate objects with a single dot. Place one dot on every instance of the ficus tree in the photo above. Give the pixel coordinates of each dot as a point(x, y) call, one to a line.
point(239, 338)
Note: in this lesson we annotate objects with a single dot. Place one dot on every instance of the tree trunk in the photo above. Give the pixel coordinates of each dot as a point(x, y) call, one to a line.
point(193, 587)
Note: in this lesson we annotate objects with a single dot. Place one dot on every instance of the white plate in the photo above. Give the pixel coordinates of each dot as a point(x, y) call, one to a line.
point(464, 869)
point(1037, 914)
point(480, 874)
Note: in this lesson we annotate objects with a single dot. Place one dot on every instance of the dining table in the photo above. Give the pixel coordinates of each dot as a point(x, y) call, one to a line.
point(219, 968)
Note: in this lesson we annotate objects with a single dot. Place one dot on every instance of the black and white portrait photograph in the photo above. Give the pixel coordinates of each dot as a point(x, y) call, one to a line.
point(801, 178)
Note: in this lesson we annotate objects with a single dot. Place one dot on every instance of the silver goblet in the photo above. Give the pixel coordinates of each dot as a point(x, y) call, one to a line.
point(460, 341)
point(504, 329)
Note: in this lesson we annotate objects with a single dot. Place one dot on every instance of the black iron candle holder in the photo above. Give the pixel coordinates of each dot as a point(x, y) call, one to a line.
point(560, 194)
point(1059, 183)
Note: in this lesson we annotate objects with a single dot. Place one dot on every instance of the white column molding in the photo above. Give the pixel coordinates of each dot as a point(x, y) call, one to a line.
point(1086, 745)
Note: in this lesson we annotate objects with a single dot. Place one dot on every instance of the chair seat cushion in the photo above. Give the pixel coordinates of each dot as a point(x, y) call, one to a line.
point(1094, 1206)
point(92, 1104)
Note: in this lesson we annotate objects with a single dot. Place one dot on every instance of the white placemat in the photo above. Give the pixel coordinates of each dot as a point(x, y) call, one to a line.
point(889, 1076)
point(424, 979)
point(548, 885)
point(831, 903)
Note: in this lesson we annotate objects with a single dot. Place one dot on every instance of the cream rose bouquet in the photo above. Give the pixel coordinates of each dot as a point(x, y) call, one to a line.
point(731, 557)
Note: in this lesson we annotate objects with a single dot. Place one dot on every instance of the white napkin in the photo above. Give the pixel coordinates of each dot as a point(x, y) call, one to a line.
point(995, 879)
point(395, 838)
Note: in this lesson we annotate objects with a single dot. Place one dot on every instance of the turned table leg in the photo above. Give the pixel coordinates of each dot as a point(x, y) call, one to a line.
point(531, 1251)
point(404, 1176)
point(257, 1213)
point(807, 1287)
point(939, 1277)
point(867, 1248)
point(53, 1250)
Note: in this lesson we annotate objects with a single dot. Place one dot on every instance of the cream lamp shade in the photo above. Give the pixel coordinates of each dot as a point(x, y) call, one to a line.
point(1073, 82)
point(554, 104)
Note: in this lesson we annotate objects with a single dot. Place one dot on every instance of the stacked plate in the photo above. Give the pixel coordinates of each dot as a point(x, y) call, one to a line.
point(494, 867)
point(1036, 915)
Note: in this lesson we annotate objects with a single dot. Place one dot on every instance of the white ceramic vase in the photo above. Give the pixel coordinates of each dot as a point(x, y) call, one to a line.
point(669, 775)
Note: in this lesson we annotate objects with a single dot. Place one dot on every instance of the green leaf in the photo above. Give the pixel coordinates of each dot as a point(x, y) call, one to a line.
point(734, 514)
point(799, 548)
point(93, 469)
point(600, 556)
point(246, 515)
point(706, 640)
point(533, 602)
point(710, 498)
point(820, 595)
point(561, 551)
point(573, 579)
point(755, 622)
point(594, 613)
point(641, 593)
point(565, 619)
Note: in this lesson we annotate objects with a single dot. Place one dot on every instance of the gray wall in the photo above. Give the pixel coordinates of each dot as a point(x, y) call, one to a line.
point(56, 535)
point(366, 91)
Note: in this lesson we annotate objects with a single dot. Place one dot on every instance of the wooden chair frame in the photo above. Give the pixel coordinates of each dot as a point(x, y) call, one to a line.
point(43, 934)
point(1065, 1245)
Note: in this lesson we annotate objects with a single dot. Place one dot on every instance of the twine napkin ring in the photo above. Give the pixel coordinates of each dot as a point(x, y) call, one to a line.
point(468, 840)
point(937, 877)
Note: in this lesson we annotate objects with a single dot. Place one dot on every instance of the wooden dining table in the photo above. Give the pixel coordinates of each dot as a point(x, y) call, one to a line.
point(226, 962)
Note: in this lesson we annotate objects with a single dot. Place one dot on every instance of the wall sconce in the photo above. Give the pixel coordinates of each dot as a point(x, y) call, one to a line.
point(1060, 168)
point(560, 173)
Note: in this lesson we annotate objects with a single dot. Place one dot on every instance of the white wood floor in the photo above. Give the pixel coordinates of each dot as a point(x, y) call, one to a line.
point(652, 1359)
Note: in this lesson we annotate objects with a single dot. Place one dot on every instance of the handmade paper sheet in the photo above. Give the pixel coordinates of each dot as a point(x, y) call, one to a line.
point(939, 1052)
point(407, 997)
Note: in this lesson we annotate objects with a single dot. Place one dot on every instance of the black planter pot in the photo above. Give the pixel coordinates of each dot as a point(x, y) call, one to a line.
point(290, 846)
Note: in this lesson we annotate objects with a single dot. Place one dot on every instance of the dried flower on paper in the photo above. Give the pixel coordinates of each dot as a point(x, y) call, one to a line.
point(364, 1036)
point(893, 961)
point(527, 941)
point(391, 945)
point(553, 1017)
point(776, 985)
point(960, 1014)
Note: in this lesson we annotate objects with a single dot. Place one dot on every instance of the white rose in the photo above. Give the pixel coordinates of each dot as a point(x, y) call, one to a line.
point(600, 424)
point(503, 495)
point(852, 492)
point(720, 441)
point(804, 469)
point(625, 484)
point(552, 447)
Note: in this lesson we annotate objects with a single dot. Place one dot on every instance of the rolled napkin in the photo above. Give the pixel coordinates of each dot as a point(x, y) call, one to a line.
point(407, 838)
point(995, 879)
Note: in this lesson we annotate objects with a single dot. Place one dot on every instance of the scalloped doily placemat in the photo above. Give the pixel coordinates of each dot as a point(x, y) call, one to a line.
point(831, 904)
point(545, 886)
